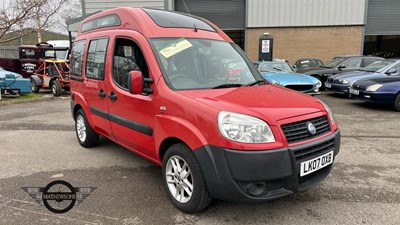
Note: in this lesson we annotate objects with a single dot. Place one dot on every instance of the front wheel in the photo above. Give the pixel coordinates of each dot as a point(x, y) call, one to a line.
point(396, 103)
point(34, 87)
point(86, 136)
point(56, 87)
point(183, 180)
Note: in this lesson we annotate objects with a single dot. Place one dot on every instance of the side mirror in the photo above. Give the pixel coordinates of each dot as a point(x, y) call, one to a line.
point(135, 82)
point(341, 67)
point(391, 71)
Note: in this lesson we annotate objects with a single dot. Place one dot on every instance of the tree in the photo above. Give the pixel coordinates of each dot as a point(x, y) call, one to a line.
point(12, 16)
point(34, 14)
point(45, 15)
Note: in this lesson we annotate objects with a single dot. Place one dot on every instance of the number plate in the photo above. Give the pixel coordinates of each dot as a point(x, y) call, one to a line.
point(328, 85)
point(354, 92)
point(315, 164)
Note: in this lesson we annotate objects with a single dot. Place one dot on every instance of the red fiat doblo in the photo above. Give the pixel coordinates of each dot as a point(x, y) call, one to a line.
point(176, 90)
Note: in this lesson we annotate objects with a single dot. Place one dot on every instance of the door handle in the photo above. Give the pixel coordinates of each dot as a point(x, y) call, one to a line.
point(101, 93)
point(112, 96)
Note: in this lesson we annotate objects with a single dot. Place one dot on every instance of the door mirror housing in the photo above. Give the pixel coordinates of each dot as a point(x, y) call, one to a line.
point(391, 71)
point(135, 82)
point(341, 67)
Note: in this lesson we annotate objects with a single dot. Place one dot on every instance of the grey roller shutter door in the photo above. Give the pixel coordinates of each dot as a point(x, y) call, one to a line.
point(226, 14)
point(383, 17)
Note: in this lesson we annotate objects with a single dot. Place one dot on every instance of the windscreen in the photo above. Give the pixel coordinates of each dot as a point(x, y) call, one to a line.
point(275, 67)
point(377, 66)
point(203, 63)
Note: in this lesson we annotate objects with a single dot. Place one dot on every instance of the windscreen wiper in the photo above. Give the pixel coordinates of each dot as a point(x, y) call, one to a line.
point(255, 82)
point(227, 86)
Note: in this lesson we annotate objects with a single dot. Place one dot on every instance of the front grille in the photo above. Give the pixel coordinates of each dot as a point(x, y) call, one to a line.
point(315, 150)
point(298, 131)
point(300, 87)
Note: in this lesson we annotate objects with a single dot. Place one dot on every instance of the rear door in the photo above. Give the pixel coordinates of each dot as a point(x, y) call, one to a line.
point(93, 85)
point(131, 116)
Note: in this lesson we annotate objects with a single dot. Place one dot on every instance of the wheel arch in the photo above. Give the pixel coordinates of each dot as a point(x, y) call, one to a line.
point(179, 131)
point(37, 79)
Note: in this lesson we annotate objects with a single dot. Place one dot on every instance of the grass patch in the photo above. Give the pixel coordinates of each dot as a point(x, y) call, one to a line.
point(19, 99)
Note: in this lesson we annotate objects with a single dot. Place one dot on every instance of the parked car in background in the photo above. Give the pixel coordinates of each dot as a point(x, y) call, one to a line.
point(306, 63)
point(339, 65)
point(340, 83)
point(12, 83)
point(282, 74)
point(380, 90)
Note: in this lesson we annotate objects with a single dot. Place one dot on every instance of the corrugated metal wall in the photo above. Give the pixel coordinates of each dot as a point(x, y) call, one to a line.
point(383, 17)
point(100, 5)
point(288, 13)
point(226, 14)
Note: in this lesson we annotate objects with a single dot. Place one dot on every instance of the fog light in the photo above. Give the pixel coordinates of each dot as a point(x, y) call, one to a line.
point(256, 189)
point(367, 96)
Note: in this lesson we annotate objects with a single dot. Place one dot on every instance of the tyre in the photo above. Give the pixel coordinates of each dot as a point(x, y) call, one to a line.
point(396, 103)
point(183, 180)
point(86, 137)
point(34, 87)
point(55, 87)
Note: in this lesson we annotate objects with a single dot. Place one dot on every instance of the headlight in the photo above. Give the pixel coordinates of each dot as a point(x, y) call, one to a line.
point(276, 82)
point(327, 74)
point(318, 84)
point(328, 109)
point(374, 87)
point(344, 81)
point(244, 128)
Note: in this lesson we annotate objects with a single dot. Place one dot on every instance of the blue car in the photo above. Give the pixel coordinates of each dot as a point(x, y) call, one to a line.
point(13, 83)
point(379, 90)
point(341, 83)
point(282, 74)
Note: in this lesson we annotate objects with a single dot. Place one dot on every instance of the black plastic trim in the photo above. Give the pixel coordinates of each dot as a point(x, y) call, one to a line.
point(227, 171)
point(123, 121)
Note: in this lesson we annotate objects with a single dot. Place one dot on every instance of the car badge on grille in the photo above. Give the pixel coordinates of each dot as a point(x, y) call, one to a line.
point(311, 128)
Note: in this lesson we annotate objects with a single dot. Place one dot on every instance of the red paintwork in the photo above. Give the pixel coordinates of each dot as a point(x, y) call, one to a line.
point(190, 116)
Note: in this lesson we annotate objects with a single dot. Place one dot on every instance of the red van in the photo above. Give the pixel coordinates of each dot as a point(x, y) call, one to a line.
point(159, 84)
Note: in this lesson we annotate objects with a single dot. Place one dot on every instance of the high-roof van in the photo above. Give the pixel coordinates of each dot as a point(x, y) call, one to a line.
point(176, 90)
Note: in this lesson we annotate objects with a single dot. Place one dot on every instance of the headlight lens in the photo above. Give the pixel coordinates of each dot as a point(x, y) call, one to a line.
point(318, 84)
point(374, 87)
point(327, 74)
point(328, 109)
point(244, 128)
point(276, 82)
point(343, 81)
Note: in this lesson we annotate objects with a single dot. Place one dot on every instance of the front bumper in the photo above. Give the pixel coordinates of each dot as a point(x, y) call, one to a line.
point(377, 97)
point(229, 172)
point(338, 88)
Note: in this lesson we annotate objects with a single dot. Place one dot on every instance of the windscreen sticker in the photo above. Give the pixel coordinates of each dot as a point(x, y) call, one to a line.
point(175, 48)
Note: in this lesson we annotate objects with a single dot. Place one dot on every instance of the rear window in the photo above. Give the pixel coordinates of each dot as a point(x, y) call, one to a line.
point(177, 20)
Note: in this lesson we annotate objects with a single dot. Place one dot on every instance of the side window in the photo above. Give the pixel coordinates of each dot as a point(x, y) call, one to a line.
point(95, 62)
point(77, 58)
point(352, 63)
point(127, 57)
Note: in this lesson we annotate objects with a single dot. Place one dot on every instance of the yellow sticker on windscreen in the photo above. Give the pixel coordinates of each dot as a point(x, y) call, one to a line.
point(175, 48)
